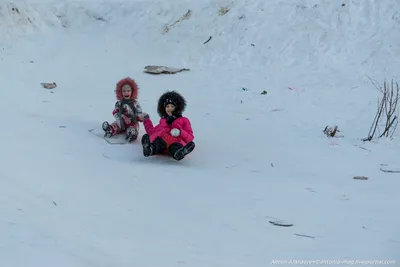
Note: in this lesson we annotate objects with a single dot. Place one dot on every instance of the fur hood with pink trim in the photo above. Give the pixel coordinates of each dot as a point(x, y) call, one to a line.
point(132, 83)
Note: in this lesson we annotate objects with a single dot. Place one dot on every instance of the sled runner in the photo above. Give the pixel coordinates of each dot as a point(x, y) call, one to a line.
point(119, 139)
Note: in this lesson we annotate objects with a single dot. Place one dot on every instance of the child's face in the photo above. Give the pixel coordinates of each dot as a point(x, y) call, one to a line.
point(126, 91)
point(169, 109)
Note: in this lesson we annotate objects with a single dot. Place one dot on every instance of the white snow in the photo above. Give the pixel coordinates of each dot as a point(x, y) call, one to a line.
point(68, 198)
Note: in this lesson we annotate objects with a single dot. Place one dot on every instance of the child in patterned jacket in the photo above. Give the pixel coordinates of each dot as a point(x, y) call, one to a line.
point(127, 111)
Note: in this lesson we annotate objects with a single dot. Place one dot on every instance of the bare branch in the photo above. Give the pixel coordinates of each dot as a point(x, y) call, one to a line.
point(376, 84)
point(388, 127)
point(387, 108)
point(394, 127)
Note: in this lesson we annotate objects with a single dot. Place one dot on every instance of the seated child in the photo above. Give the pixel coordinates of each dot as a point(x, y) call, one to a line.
point(127, 111)
point(173, 134)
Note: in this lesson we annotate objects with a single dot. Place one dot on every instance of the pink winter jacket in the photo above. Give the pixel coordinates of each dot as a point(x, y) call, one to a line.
point(163, 130)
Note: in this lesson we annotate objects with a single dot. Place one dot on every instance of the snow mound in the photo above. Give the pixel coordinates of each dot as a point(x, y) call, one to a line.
point(323, 34)
point(21, 19)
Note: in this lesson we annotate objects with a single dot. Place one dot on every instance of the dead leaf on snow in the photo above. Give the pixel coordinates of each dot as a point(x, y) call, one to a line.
point(360, 178)
point(154, 69)
point(49, 85)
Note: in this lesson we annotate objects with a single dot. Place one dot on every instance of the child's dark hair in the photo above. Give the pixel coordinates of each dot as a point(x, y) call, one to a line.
point(171, 97)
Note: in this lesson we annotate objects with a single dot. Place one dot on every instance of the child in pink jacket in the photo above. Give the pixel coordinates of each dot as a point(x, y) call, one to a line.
point(127, 111)
point(173, 134)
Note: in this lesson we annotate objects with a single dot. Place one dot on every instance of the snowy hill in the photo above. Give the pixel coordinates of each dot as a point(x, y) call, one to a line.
point(68, 198)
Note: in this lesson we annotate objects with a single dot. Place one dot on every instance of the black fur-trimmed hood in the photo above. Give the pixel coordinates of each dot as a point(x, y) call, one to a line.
point(171, 97)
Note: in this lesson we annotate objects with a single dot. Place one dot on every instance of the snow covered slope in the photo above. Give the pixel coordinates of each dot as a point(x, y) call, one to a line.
point(67, 198)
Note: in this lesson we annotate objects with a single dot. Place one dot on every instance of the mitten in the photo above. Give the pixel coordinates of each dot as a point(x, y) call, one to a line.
point(175, 132)
point(143, 116)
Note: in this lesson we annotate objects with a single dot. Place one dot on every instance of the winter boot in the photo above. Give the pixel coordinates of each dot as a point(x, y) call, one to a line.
point(107, 129)
point(188, 148)
point(131, 134)
point(149, 149)
point(178, 151)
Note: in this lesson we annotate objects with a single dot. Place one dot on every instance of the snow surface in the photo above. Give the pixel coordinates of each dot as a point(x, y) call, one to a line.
point(68, 198)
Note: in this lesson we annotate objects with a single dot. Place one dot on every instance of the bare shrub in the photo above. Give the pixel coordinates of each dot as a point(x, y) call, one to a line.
point(387, 110)
point(332, 131)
